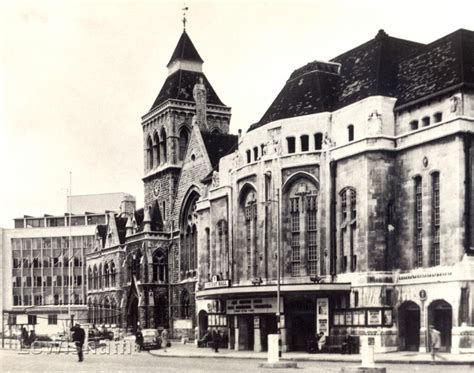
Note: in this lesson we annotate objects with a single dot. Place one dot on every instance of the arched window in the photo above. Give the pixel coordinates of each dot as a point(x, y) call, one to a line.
point(96, 277)
point(149, 153)
point(163, 146)
point(348, 227)
point(156, 148)
point(318, 141)
point(160, 272)
point(301, 206)
point(185, 314)
point(304, 143)
point(290, 141)
point(189, 237)
point(250, 213)
point(249, 159)
point(183, 142)
point(222, 251)
point(100, 276)
point(350, 132)
point(89, 278)
point(113, 273)
point(215, 131)
point(255, 153)
point(106, 275)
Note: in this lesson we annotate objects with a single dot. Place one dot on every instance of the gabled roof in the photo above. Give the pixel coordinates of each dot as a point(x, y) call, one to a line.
point(185, 50)
point(443, 65)
point(179, 86)
point(121, 224)
point(218, 145)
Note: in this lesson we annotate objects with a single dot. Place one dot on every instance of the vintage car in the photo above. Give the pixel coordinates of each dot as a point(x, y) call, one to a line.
point(151, 339)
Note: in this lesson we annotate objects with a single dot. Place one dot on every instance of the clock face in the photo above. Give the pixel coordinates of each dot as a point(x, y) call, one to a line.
point(156, 187)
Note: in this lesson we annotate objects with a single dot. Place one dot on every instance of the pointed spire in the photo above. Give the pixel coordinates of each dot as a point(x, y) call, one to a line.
point(147, 220)
point(185, 51)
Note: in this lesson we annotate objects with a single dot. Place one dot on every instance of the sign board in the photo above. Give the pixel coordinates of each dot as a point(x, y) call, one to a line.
point(322, 315)
point(253, 305)
point(183, 324)
point(374, 317)
point(216, 284)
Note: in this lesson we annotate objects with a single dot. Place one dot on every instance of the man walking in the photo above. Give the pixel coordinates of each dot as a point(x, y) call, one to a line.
point(78, 337)
point(435, 341)
point(164, 339)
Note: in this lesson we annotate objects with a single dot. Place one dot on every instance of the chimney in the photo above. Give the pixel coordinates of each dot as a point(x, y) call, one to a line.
point(128, 205)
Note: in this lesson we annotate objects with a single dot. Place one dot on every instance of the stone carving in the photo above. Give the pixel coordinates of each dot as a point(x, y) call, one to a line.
point(215, 179)
point(327, 142)
point(375, 123)
point(455, 105)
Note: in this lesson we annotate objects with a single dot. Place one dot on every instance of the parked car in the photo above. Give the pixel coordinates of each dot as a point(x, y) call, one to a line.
point(95, 334)
point(151, 339)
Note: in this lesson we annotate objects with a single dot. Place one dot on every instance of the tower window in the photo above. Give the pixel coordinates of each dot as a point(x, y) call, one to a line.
point(318, 141)
point(291, 144)
point(183, 143)
point(425, 121)
point(255, 153)
point(350, 132)
point(304, 143)
point(249, 159)
point(437, 117)
point(414, 125)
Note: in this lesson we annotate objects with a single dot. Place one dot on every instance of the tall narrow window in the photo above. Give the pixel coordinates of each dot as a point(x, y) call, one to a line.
point(318, 141)
point(304, 143)
point(255, 153)
point(208, 252)
point(163, 146)
point(350, 132)
point(418, 223)
point(248, 233)
point(183, 143)
point(435, 250)
point(295, 236)
point(249, 159)
point(250, 210)
point(156, 149)
point(149, 153)
point(291, 144)
point(312, 210)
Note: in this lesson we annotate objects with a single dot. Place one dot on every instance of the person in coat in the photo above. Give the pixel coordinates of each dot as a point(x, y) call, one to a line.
point(24, 337)
point(215, 336)
point(139, 339)
point(164, 339)
point(435, 341)
point(78, 337)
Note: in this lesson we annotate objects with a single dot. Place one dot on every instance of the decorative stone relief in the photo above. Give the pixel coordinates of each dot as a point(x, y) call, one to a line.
point(215, 179)
point(374, 125)
point(455, 107)
point(327, 142)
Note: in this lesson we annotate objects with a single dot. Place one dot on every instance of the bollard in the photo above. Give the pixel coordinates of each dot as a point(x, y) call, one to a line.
point(273, 360)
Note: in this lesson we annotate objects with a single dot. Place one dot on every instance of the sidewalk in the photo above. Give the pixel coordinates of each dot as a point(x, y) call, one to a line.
point(178, 349)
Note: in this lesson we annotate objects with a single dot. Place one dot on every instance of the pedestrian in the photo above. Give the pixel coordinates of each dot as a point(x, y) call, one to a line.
point(139, 339)
point(321, 341)
point(24, 337)
point(32, 338)
point(164, 339)
point(435, 341)
point(78, 337)
point(215, 339)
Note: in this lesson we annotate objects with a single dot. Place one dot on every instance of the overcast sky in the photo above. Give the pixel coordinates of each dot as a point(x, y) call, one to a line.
point(76, 76)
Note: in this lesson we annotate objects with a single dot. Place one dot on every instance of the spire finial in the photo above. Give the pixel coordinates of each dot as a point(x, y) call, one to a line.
point(185, 9)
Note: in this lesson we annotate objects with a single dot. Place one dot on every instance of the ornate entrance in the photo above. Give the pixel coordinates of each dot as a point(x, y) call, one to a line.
point(440, 315)
point(409, 326)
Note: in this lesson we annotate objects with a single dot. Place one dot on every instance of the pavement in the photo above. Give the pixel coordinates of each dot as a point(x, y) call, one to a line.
point(179, 349)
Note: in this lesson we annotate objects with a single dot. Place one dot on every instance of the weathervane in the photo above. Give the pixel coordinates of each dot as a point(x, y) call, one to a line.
point(185, 9)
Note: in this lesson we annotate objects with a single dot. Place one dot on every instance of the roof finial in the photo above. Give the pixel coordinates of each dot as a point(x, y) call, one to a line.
point(185, 9)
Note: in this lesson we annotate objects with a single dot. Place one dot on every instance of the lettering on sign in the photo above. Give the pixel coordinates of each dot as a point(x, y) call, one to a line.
point(253, 305)
point(216, 284)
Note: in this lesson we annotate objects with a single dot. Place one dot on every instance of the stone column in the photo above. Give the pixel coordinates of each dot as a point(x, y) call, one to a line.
point(284, 346)
point(257, 341)
point(236, 334)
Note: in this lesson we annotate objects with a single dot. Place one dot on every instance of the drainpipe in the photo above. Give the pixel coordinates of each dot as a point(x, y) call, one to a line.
point(467, 140)
point(332, 219)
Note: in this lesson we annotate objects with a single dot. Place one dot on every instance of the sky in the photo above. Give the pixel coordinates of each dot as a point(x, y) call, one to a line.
point(76, 76)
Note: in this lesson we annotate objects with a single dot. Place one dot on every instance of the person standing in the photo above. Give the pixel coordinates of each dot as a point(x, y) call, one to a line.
point(78, 337)
point(24, 337)
point(139, 339)
point(215, 339)
point(321, 341)
point(164, 339)
point(435, 341)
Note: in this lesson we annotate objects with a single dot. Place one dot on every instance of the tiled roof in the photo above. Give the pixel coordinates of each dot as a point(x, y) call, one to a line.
point(367, 70)
point(185, 50)
point(218, 145)
point(180, 85)
point(447, 63)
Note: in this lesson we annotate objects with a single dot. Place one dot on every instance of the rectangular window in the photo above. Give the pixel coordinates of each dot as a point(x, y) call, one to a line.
point(344, 205)
point(17, 282)
point(312, 207)
point(418, 223)
point(32, 320)
point(291, 144)
point(438, 117)
point(435, 250)
point(38, 281)
point(248, 228)
point(48, 281)
point(425, 121)
point(249, 157)
point(295, 237)
point(17, 300)
point(38, 300)
point(52, 319)
point(95, 219)
point(28, 281)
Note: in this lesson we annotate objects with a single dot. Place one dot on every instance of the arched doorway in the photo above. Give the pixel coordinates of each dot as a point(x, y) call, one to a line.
point(440, 315)
point(203, 323)
point(409, 326)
